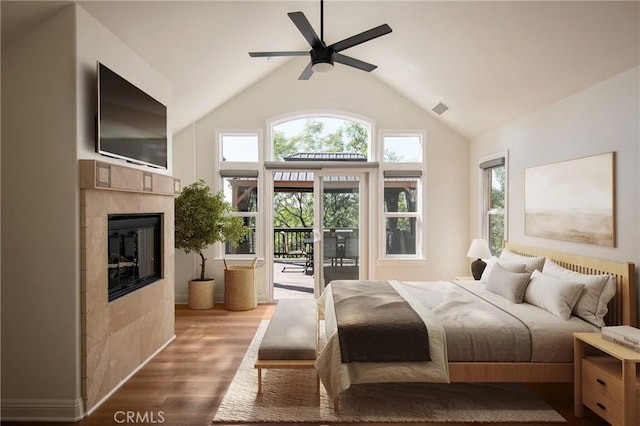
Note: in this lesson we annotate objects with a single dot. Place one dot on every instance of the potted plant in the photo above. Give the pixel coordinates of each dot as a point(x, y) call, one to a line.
point(203, 218)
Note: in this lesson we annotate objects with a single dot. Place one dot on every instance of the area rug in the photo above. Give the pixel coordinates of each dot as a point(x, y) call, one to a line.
point(290, 396)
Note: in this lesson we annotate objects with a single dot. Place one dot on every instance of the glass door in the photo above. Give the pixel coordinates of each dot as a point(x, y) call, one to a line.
point(338, 218)
point(292, 217)
point(318, 223)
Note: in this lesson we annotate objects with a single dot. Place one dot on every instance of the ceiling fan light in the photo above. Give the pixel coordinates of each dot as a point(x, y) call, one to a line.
point(322, 67)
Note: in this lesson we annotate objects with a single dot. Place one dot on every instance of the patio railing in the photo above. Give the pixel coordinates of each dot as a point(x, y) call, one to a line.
point(291, 242)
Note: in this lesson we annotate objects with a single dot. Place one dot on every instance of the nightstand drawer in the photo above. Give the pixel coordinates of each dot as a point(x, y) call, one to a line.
point(602, 405)
point(597, 375)
point(602, 389)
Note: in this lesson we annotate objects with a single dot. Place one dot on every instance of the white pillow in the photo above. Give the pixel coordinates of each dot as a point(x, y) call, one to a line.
point(511, 266)
point(508, 284)
point(531, 263)
point(596, 295)
point(553, 294)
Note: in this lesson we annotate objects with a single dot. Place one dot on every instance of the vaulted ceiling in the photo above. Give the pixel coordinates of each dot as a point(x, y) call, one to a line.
point(490, 62)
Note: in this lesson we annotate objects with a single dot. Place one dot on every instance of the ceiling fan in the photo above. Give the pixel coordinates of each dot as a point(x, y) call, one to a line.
point(323, 56)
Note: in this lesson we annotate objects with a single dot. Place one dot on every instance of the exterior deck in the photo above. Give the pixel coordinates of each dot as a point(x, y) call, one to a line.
point(293, 282)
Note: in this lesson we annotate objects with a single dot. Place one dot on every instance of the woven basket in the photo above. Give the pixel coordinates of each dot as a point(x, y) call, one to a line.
point(240, 292)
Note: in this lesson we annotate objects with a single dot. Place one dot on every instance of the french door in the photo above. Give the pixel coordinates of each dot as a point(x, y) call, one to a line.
point(335, 243)
point(339, 221)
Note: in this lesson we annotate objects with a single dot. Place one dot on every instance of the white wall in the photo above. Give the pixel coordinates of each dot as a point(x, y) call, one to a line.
point(96, 43)
point(40, 224)
point(600, 119)
point(48, 105)
point(362, 94)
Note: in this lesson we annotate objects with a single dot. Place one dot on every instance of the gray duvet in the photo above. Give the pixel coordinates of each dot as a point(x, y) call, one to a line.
point(483, 326)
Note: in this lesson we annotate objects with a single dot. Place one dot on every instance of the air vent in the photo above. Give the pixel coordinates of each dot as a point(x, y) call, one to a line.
point(440, 108)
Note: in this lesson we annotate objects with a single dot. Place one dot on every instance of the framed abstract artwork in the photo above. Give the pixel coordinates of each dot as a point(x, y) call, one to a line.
point(572, 200)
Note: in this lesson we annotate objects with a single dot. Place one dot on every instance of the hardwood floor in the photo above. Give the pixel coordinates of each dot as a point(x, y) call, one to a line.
point(184, 384)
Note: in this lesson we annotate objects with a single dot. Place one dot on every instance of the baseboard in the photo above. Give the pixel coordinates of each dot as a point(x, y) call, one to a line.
point(123, 381)
point(42, 410)
point(55, 410)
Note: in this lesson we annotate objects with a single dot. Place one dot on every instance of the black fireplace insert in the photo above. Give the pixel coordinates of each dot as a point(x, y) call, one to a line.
point(135, 252)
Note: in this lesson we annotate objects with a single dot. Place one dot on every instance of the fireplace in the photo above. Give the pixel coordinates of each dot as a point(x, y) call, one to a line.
point(135, 247)
point(121, 335)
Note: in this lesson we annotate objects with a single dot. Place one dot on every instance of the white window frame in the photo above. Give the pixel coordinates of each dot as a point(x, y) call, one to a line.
point(336, 114)
point(250, 169)
point(485, 196)
point(410, 169)
point(255, 215)
point(221, 134)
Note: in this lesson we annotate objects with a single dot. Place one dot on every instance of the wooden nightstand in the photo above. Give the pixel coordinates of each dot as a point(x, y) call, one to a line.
point(606, 379)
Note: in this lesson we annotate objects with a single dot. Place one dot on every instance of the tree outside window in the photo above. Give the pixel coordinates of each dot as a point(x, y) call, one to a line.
point(320, 134)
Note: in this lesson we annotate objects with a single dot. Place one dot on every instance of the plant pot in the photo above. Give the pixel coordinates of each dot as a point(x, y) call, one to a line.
point(201, 293)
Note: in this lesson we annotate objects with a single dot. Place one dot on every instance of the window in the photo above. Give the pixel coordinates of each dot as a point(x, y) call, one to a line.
point(402, 149)
point(313, 135)
point(494, 202)
point(402, 171)
point(239, 159)
point(401, 218)
point(241, 191)
point(239, 147)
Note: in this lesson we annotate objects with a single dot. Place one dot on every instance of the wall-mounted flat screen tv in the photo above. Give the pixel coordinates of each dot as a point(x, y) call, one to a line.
point(131, 124)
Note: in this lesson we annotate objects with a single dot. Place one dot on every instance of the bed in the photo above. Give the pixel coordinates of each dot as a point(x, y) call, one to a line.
point(549, 357)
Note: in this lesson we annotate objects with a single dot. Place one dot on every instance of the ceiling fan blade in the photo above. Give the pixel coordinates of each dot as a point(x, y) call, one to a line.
point(361, 38)
point(306, 29)
point(352, 62)
point(270, 54)
point(307, 72)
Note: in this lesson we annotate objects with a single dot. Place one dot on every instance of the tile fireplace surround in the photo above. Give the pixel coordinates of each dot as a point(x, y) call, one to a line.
point(118, 337)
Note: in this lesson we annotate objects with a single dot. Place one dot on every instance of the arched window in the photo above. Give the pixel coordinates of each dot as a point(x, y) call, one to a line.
point(321, 138)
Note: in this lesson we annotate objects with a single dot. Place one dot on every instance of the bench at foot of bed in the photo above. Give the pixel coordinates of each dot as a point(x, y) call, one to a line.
point(291, 338)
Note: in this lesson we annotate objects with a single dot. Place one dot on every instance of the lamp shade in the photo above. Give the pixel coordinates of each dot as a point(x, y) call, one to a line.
point(479, 249)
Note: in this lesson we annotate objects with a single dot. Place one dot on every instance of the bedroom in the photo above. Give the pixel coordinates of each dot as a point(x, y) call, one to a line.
point(602, 116)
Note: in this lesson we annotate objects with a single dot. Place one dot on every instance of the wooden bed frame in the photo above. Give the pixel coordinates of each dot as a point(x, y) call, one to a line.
point(623, 310)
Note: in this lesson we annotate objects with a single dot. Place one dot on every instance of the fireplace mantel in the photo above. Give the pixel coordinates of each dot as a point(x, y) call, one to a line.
point(100, 175)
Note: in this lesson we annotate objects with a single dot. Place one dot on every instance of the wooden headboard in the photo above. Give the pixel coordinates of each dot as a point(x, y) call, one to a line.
point(623, 308)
